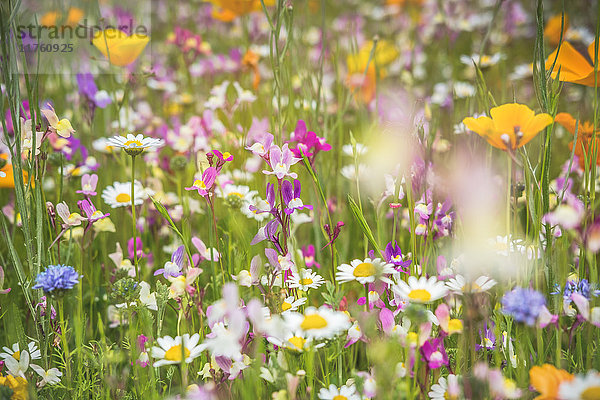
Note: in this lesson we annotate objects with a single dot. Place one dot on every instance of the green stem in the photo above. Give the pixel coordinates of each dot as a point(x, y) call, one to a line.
point(133, 220)
point(63, 336)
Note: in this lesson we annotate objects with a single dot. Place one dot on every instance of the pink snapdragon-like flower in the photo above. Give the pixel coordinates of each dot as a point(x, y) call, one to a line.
point(204, 184)
point(307, 141)
point(281, 160)
point(88, 184)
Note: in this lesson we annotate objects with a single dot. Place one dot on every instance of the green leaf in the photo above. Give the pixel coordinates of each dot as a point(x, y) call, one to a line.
point(360, 218)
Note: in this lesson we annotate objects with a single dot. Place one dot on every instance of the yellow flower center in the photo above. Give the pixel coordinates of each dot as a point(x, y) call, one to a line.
point(123, 198)
point(17, 355)
point(412, 337)
point(340, 397)
point(199, 183)
point(306, 281)
point(238, 194)
point(455, 325)
point(363, 270)
point(313, 321)
point(471, 287)
point(591, 393)
point(226, 155)
point(174, 353)
point(285, 306)
point(419, 295)
point(297, 341)
point(135, 143)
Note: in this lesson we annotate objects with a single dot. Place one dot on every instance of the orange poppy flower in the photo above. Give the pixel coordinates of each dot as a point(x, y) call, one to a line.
point(574, 67)
point(552, 31)
point(250, 61)
point(51, 18)
point(228, 10)
point(585, 132)
point(510, 127)
point(547, 379)
point(8, 181)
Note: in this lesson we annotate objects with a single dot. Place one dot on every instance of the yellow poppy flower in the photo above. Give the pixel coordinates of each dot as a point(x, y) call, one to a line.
point(510, 127)
point(18, 386)
point(574, 67)
point(118, 47)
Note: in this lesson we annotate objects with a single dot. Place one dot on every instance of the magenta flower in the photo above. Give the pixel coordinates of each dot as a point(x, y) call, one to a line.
point(203, 185)
point(434, 353)
point(88, 184)
point(308, 252)
point(291, 197)
point(307, 141)
point(281, 160)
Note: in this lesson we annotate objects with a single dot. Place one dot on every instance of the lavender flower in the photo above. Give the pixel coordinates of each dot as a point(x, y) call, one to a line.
point(524, 305)
point(56, 278)
point(173, 267)
point(291, 197)
point(393, 254)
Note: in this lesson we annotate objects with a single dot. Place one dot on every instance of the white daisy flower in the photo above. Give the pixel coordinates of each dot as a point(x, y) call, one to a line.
point(581, 387)
point(236, 191)
point(18, 363)
point(51, 377)
point(459, 284)
point(305, 279)
point(342, 393)
point(420, 290)
point(172, 351)
point(134, 144)
point(290, 304)
point(14, 352)
point(442, 390)
point(321, 323)
point(364, 272)
point(119, 194)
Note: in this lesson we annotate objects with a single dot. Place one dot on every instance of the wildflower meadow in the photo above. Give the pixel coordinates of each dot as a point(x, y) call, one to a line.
point(299, 199)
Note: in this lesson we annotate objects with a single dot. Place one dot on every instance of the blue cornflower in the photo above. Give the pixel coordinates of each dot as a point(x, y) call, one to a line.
point(524, 305)
point(56, 278)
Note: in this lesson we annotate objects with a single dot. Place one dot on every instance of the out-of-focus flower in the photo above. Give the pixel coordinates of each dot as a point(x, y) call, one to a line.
point(17, 384)
point(119, 48)
point(510, 127)
point(88, 185)
point(547, 379)
point(228, 10)
point(585, 137)
point(459, 284)
point(334, 393)
point(555, 29)
point(434, 353)
point(580, 387)
point(573, 66)
point(524, 305)
point(445, 388)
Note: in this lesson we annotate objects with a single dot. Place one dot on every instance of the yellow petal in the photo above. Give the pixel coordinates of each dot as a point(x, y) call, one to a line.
point(536, 124)
point(120, 49)
point(509, 116)
point(484, 127)
point(572, 64)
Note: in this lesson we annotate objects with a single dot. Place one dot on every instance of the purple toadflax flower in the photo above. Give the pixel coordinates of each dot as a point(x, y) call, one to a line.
point(291, 197)
point(173, 268)
point(393, 255)
point(281, 160)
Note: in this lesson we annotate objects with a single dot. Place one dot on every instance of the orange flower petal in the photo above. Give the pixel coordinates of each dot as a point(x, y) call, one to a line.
point(573, 65)
point(118, 47)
